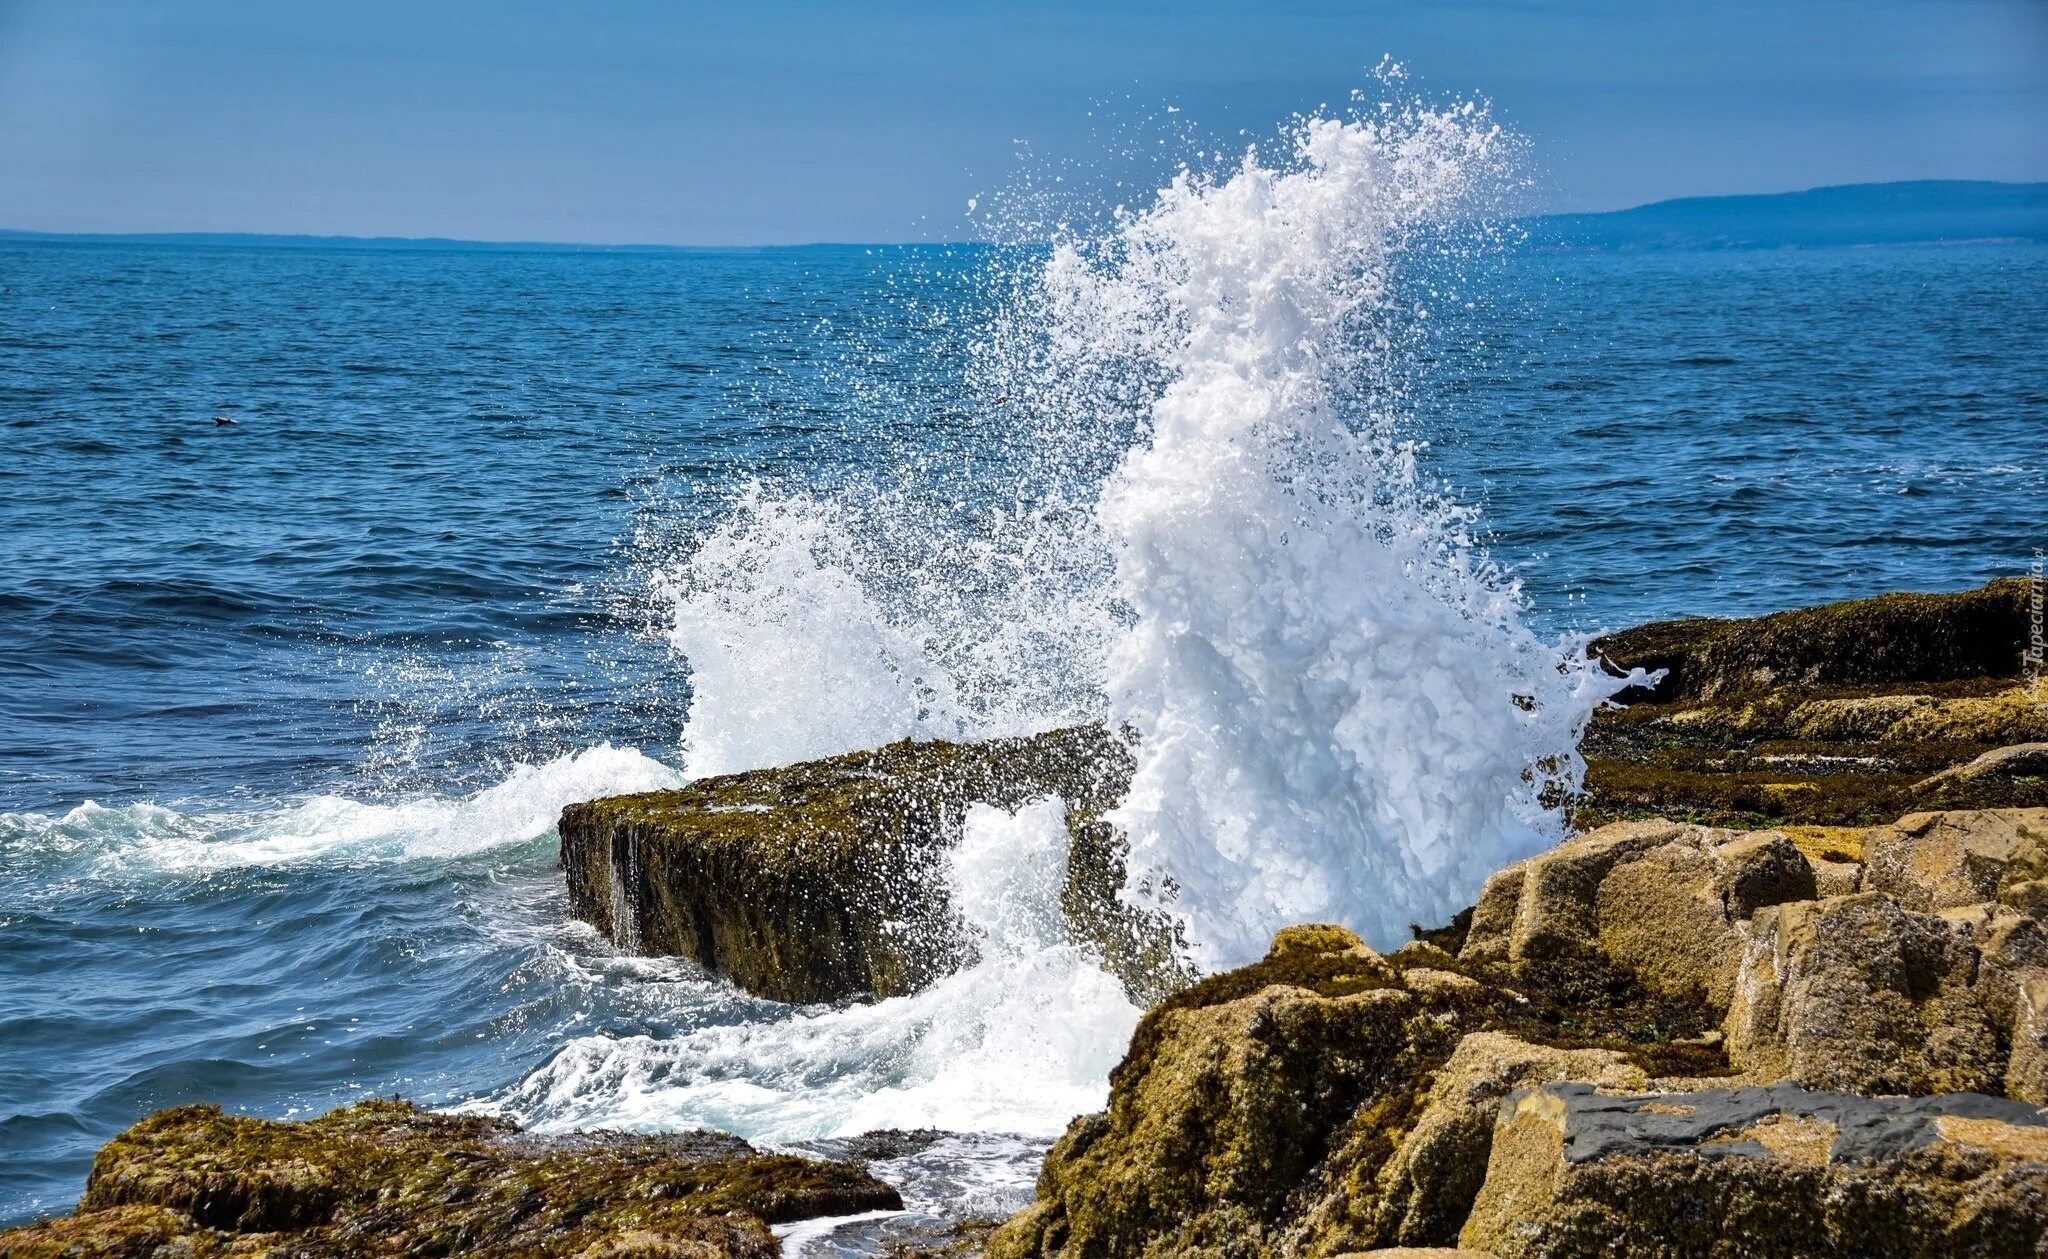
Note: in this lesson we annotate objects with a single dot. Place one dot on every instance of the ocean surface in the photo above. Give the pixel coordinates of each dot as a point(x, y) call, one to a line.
point(288, 705)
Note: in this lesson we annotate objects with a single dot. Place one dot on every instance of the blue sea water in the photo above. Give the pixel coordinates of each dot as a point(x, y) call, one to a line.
point(325, 673)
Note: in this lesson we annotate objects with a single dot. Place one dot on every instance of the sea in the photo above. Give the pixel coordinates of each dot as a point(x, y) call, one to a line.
point(329, 575)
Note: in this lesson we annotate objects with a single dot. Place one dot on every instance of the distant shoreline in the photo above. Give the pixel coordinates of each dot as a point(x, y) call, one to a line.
point(1916, 212)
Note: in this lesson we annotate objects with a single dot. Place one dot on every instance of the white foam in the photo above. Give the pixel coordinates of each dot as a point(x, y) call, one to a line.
point(1021, 1041)
point(519, 808)
point(1339, 713)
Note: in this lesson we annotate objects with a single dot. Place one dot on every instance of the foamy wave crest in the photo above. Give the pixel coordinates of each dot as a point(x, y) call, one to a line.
point(142, 837)
point(813, 627)
point(1338, 713)
point(1219, 538)
point(1019, 1042)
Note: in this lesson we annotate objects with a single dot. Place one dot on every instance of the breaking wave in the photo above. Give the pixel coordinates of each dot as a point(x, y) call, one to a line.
point(1202, 519)
point(93, 840)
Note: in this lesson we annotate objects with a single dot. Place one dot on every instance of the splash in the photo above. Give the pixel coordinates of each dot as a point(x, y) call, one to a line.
point(1215, 533)
point(1338, 713)
point(1019, 1042)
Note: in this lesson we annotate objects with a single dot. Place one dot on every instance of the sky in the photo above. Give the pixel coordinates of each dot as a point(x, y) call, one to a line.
point(783, 121)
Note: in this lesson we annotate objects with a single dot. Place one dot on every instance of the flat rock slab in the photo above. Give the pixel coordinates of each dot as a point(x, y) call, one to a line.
point(1778, 1171)
point(1847, 714)
point(1597, 1125)
point(826, 881)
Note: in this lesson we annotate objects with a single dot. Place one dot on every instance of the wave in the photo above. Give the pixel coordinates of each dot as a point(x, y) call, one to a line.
point(1019, 1042)
point(1202, 520)
point(96, 840)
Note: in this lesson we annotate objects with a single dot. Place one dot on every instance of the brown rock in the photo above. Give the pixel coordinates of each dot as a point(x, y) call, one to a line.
point(1558, 910)
point(1428, 1186)
point(1493, 916)
point(1933, 861)
point(383, 1178)
point(1836, 878)
point(1780, 1171)
point(1858, 994)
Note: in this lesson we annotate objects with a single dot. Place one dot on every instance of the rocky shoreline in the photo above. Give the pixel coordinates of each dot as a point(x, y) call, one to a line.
point(1784, 993)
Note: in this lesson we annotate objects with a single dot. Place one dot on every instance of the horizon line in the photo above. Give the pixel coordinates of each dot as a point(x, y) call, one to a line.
point(395, 242)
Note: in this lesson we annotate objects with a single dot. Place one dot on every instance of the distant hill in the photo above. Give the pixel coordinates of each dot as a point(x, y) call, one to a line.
point(1932, 211)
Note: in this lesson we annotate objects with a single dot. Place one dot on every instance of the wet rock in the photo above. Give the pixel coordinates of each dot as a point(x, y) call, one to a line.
point(1327, 1099)
point(2022, 760)
point(1762, 1171)
point(1938, 860)
point(1847, 714)
point(1888, 639)
point(384, 1178)
point(1232, 1093)
point(1857, 993)
point(825, 880)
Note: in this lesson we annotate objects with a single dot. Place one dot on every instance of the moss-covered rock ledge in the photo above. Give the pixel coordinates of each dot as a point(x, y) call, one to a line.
point(825, 880)
point(1848, 714)
point(384, 1178)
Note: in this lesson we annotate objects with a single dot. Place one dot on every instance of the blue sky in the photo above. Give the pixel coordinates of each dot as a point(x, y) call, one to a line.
point(778, 122)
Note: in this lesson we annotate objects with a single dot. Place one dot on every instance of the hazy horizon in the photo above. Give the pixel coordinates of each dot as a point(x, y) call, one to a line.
point(2037, 227)
point(802, 122)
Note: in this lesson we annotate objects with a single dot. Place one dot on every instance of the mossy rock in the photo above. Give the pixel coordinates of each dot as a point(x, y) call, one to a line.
point(1892, 638)
point(1257, 1110)
point(385, 1178)
point(825, 880)
point(1848, 714)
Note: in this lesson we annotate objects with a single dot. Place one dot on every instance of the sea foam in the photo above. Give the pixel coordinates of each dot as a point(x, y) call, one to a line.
point(1018, 1042)
point(1217, 538)
point(146, 838)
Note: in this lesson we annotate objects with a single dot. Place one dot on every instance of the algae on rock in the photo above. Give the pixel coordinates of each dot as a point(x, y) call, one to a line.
point(1850, 713)
point(384, 1178)
point(826, 880)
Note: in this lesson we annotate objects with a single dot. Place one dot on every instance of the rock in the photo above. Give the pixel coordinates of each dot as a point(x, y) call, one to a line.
point(825, 880)
point(1849, 713)
point(1327, 1099)
point(1889, 639)
point(2018, 761)
point(384, 1178)
point(1232, 1092)
point(2029, 896)
point(2026, 1074)
point(1558, 912)
point(1939, 860)
point(1836, 878)
point(1428, 1186)
point(1670, 915)
point(1856, 993)
point(1659, 899)
point(1779, 1171)
point(1493, 916)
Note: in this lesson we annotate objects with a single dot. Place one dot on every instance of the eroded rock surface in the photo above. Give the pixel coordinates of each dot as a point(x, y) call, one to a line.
point(1331, 1100)
point(1851, 713)
point(384, 1178)
point(825, 880)
point(1779, 1171)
